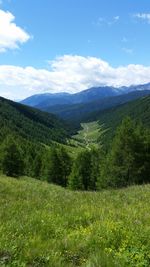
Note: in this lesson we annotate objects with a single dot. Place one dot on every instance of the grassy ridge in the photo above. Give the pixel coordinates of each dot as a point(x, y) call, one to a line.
point(45, 225)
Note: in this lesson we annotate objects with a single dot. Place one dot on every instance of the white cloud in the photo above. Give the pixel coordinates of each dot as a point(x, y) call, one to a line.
point(143, 16)
point(116, 18)
point(103, 21)
point(70, 74)
point(127, 50)
point(11, 35)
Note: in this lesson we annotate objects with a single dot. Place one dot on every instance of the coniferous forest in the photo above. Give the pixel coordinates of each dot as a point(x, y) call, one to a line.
point(35, 143)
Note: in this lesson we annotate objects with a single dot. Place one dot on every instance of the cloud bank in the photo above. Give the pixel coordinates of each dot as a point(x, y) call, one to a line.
point(69, 73)
point(143, 16)
point(11, 35)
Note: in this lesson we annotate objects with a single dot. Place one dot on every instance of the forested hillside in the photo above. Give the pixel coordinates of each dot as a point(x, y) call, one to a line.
point(31, 123)
point(25, 131)
point(79, 112)
point(138, 110)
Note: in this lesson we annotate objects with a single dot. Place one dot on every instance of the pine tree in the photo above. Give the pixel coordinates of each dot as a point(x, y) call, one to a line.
point(81, 172)
point(142, 155)
point(38, 164)
point(59, 166)
point(65, 165)
point(122, 156)
point(54, 174)
point(96, 157)
point(12, 158)
point(129, 158)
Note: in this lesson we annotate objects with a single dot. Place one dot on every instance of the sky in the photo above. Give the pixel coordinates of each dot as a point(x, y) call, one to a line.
point(71, 45)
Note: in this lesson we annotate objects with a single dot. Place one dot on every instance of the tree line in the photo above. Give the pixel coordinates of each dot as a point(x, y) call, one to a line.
point(126, 163)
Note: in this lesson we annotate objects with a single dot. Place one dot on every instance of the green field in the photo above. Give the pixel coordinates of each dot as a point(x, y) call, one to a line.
point(89, 134)
point(46, 225)
point(85, 138)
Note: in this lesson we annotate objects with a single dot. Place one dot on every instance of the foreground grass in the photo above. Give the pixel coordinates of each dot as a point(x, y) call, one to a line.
point(45, 225)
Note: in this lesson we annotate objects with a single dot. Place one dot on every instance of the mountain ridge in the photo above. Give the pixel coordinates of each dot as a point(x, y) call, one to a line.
point(51, 99)
point(79, 112)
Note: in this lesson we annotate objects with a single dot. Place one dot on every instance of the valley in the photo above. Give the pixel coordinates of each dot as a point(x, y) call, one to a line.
point(74, 133)
point(89, 134)
point(74, 190)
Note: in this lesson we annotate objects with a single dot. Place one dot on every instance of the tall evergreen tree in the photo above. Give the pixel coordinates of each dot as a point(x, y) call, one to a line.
point(59, 166)
point(129, 158)
point(80, 174)
point(96, 158)
point(12, 159)
point(65, 165)
point(85, 171)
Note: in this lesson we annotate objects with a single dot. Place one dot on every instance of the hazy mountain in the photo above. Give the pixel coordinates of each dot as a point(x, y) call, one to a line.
point(43, 101)
point(79, 112)
point(47, 100)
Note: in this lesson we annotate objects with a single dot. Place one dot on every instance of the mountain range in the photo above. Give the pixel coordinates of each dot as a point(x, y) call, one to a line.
point(45, 101)
point(77, 107)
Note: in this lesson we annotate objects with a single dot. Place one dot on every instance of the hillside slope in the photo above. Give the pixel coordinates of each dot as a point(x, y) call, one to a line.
point(31, 123)
point(45, 225)
point(138, 110)
point(79, 112)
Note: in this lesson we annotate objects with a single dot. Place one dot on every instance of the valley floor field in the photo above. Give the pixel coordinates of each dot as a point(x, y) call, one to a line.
point(89, 135)
point(46, 225)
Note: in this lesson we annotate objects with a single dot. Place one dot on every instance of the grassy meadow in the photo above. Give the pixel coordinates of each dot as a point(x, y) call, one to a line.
point(46, 225)
point(89, 134)
point(85, 138)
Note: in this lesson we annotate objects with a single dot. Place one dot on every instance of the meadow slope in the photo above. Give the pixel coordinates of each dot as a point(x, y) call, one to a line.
point(46, 225)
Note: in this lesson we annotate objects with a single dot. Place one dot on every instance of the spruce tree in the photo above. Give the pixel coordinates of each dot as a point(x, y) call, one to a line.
point(128, 161)
point(96, 158)
point(81, 172)
point(54, 173)
point(12, 158)
point(59, 166)
point(65, 165)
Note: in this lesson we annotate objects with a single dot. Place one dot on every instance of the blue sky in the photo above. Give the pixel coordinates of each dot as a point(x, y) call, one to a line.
point(70, 45)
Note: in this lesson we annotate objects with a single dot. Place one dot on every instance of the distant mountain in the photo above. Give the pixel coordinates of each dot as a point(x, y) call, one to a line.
point(30, 123)
point(44, 101)
point(80, 112)
point(132, 88)
point(47, 100)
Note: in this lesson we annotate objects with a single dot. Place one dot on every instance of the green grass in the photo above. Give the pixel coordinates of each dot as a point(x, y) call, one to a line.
point(89, 135)
point(45, 225)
